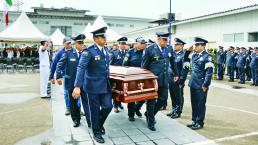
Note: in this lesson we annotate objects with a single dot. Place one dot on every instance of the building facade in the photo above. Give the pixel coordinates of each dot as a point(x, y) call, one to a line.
point(72, 22)
point(237, 27)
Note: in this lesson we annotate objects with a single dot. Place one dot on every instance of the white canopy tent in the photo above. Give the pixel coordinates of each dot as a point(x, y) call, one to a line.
point(57, 37)
point(22, 30)
point(111, 34)
point(87, 32)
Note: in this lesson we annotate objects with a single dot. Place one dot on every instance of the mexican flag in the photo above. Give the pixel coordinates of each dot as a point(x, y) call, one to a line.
point(7, 5)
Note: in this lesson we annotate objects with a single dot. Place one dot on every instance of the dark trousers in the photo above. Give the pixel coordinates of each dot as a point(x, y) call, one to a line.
point(231, 72)
point(133, 107)
point(255, 76)
point(75, 110)
point(198, 102)
point(162, 99)
point(220, 71)
point(150, 114)
point(241, 74)
point(100, 107)
point(248, 73)
point(176, 94)
point(85, 104)
point(237, 72)
point(116, 103)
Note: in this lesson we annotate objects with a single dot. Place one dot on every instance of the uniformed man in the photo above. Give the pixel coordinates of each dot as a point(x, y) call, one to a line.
point(248, 60)
point(68, 64)
point(241, 65)
point(44, 68)
point(156, 58)
point(235, 61)
point(221, 58)
point(117, 60)
point(202, 69)
point(254, 67)
point(93, 76)
point(176, 89)
point(230, 63)
point(67, 45)
point(134, 58)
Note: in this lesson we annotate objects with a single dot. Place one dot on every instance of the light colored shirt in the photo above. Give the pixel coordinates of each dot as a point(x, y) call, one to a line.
point(100, 48)
point(43, 57)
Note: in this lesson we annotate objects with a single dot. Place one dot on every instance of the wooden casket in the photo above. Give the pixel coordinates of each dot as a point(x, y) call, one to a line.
point(131, 84)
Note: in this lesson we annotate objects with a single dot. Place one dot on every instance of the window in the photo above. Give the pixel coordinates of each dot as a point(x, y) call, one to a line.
point(43, 22)
point(66, 30)
point(119, 25)
point(239, 37)
point(228, 37)
point(110, 25)
point(77, 23)
point(236, 37)
point(34, 22)
point(132, 26)
point(253, 37)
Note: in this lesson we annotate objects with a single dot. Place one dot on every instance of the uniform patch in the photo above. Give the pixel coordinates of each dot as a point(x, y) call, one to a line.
point(97, 58)
point(85, 53)
point(126, 58)
point(72, 59)
point(156, 58)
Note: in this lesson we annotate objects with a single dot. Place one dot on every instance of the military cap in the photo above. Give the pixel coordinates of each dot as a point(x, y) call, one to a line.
point(198, 40)
point(221, 47)
point(179, 41)
point(243, 48)
point(232, 47)
point(67, 40)
point(237, 48)
point(250, 48)
point(100, 32)
point(80, 37)
point(151, 41)
point(255, 48)
point(163, 35)
point(140, 40)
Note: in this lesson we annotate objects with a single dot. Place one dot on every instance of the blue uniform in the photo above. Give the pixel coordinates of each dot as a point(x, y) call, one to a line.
point(133, 58)
point(68, 64)
point(93, 76)
point(231, 64)
point(176, 89)
point(157, 60)
point(202, 70)
point(241, 64)
point(254, 68)
point(221, 58)
point(117, 60)
point(235, 67)
point(248, 69)
point(52, 72)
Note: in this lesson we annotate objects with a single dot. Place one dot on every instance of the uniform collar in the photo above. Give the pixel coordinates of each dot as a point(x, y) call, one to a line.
point(178, 52)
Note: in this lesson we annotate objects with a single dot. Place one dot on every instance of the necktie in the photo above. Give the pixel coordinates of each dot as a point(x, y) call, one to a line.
point(163, 51)
point(80, 53)
point(102, 50)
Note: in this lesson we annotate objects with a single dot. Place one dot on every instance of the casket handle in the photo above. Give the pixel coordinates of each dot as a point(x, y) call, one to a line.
point(125, 89)
point(140, 86)
point(156, 85)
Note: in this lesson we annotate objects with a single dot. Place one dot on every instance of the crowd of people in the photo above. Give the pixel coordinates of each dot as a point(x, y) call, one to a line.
point(19, 52)
point(84, 73)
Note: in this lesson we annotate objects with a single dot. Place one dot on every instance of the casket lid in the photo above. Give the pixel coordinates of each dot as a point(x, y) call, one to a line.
point(126, 73)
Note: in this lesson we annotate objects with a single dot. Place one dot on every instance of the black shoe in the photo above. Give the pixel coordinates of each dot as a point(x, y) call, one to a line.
point(99, 139)
point(76, 123)
point(190, 125)
point(45, 97)
point(138, 113)
point(152, 128)
point(170, 114)
point(116, 110)
point(175, 115)
point(230, 80)
point(120, 106)
point(102, 130)
point(252, 85)
point(197, 126)
point(131, 119)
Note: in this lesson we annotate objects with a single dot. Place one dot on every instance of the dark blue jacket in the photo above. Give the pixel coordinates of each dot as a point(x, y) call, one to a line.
point(133, 58)
point(158, 64)
point(241, 62)
point(68, 64)
point(231, 59)
point(93, 71)
point(221, 57)
point(202, 69)
point(117, 57)
point(54, 63)
point(254, 61)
